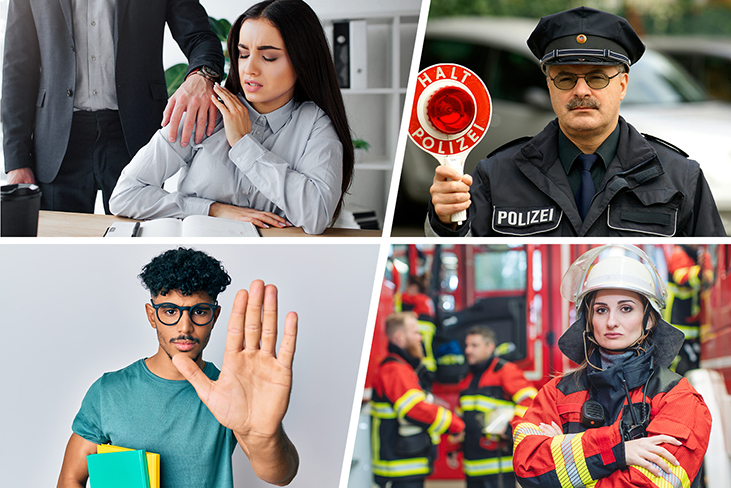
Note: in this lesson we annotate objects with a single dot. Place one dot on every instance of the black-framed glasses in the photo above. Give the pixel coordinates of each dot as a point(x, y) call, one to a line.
point(200, 313)
point(596, 80)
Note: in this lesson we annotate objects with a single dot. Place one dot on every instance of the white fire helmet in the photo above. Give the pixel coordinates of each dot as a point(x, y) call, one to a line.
point(623, 267)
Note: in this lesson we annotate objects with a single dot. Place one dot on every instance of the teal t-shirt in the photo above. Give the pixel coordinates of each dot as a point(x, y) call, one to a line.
point(134, 408)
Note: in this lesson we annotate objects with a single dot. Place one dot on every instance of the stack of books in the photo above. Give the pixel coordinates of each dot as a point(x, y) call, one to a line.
point(119, 467)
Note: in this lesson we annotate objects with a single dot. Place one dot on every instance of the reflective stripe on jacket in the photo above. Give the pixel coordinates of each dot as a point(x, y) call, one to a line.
point(595, 457)
point(490, 387)
point(401, 412)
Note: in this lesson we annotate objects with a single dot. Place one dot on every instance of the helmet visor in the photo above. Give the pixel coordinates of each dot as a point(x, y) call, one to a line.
point(576, 283)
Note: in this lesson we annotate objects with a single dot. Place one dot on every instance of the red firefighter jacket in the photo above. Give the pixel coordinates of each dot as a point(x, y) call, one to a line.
point(401, 414)
point(491, 386)
point(595, 457)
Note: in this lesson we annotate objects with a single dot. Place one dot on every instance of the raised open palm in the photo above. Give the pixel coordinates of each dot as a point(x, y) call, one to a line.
point(252, 392)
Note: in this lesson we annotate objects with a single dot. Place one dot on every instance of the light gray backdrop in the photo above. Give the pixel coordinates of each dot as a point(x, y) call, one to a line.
point(72, 312)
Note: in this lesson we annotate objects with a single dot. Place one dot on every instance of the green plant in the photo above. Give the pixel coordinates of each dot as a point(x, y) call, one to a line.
point(175, 75)
point(361, 144)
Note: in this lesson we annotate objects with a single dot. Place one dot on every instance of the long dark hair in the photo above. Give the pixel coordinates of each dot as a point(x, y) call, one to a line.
point(309, 53)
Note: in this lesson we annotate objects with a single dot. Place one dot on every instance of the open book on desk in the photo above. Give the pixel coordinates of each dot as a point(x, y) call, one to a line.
point(192, 226)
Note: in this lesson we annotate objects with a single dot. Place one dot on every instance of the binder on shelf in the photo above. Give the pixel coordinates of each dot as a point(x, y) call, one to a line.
point(350, 53)
point(123, 469)
point(153, 462)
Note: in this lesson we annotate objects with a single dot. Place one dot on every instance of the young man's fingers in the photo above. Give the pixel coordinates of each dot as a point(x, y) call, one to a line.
point(269, 320)
point(252, 323)
point(194, 375)
point(235, 331)
point(289, 340)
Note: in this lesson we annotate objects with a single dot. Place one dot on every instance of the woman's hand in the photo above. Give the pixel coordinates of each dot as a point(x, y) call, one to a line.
point(236, 119)
point(551, 430)
point(257, 217)
point(647, 453)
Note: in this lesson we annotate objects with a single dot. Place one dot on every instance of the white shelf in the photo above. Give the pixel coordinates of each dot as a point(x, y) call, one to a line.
point(374, 112)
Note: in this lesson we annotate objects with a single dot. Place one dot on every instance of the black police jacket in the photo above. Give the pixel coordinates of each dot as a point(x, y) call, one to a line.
point(650, 189)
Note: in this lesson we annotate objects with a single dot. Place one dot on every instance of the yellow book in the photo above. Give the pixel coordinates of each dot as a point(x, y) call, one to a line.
point(153, 462)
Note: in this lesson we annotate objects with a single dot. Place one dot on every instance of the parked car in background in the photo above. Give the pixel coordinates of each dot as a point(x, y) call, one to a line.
point(662, 100)
point(708, 60)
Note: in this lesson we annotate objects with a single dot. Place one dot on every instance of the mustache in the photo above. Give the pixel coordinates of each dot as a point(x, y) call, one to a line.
point(185, 338)
point(583, 102)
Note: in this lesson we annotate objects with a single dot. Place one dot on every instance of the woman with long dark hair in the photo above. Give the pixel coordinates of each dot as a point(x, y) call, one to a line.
point(622, 418)
point(281, 153)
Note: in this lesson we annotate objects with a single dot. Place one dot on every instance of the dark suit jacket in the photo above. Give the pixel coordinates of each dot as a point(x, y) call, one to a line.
point(39, 73)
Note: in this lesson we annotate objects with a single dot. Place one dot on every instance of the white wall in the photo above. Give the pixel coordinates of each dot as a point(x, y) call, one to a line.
point(72, 312)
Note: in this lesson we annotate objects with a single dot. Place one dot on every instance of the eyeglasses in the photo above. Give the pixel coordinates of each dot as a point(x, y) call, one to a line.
point(596, 80)
point(200, 313)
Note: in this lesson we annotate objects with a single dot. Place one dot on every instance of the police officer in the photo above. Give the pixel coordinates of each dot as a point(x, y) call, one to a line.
point(588, 173)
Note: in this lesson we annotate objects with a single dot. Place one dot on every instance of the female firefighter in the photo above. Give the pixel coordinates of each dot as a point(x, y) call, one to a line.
point(623, 418)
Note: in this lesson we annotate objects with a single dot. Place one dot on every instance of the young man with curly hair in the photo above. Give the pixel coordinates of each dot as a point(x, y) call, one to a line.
point(187, 410)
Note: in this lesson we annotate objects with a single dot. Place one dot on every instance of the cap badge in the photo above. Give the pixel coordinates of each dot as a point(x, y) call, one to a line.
point(581, 38)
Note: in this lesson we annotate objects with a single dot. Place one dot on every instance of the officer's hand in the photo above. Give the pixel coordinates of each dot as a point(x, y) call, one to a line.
point(450, 193)
point(647, 453)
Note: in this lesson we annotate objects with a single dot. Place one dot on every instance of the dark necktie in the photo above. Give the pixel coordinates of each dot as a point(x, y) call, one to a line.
point(586, 188)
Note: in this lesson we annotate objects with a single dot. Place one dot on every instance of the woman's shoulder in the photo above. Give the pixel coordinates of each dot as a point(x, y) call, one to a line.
point(309, 114)
point(309, 109)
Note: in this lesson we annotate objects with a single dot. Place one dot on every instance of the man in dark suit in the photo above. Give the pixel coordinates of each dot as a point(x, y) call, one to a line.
point(84, 88)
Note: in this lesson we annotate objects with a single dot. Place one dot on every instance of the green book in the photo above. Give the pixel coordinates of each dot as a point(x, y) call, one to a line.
point(124, 469)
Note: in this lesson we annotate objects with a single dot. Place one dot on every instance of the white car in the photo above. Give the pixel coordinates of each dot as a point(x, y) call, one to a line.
point(661, 100)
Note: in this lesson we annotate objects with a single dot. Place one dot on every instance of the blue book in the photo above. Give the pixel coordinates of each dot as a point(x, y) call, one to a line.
point(124, 469)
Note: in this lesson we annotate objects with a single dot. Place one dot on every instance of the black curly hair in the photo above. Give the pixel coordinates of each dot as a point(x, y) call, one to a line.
point(186, 271)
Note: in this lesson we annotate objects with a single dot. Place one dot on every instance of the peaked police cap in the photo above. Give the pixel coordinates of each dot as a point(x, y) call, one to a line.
point(585, 36)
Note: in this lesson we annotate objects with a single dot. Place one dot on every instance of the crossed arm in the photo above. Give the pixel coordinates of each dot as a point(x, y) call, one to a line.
point(677, 439)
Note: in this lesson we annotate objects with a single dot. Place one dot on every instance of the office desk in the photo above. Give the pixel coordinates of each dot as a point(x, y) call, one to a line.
point(66, 224)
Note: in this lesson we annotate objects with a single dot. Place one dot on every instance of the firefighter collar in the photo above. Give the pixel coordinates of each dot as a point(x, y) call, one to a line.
point(479, 368)
point(667, 340)
point(411, 360)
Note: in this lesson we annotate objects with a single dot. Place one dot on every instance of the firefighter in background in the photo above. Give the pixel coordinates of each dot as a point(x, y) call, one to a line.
point(405, 424)
point(414, 299)
point(623, 418)
point(688, 270)
point(494, 392)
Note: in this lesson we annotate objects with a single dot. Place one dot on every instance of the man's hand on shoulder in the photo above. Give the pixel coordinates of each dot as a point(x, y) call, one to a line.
point(194, 98)
point(450, 193)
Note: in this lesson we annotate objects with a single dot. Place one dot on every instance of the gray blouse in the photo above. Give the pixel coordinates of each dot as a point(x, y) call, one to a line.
point(290, 164)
